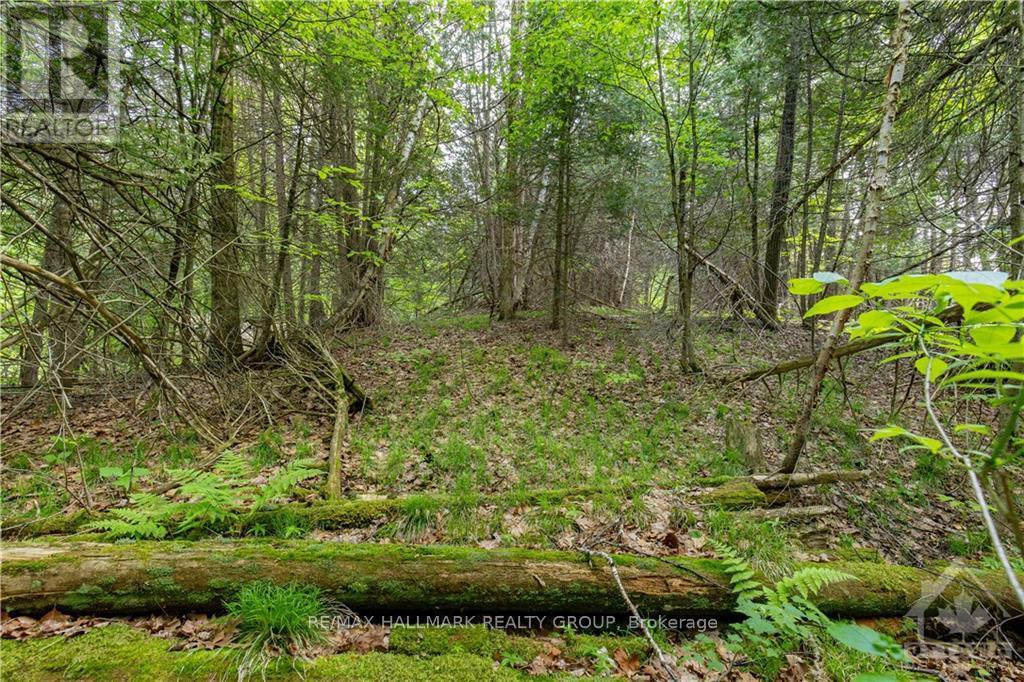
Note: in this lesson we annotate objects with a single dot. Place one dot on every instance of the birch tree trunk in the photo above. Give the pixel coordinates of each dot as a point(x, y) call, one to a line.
point(872, 217)
point(1016, 163)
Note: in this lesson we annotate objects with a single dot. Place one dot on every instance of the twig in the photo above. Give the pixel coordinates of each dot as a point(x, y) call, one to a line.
point(666, 666)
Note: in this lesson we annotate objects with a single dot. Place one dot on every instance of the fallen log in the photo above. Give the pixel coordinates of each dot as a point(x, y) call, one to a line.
point(179, 577)
point(792, 513)
point(768, 482)
point(952, 314)
point(851, 348)
point(728, 492)
point(766, 490)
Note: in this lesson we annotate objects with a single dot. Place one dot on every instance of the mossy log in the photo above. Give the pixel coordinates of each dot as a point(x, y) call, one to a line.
point(782, 481)
point(728, 492)
point(774, 482)
point(344, 513)
point(166, 576)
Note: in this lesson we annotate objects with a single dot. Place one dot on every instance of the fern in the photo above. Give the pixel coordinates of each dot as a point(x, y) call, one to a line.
point(808, 582)
point(779, 618)
point(741, 575)
point(210, 500)
point(233, 468)
point(148, 518)
point(294, 473)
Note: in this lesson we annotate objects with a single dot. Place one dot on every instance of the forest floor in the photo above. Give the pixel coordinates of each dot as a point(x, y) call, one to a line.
point(482, 413)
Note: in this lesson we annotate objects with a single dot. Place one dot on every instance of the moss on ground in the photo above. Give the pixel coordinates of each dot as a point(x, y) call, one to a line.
point(737, 494)
point(118, 652)
point(477, 640)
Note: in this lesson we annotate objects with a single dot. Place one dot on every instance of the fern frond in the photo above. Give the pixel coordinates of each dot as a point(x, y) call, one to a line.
point(126, 522)
point(233, 467)
point(741, 574)
point(808, 581)
point(294, 473)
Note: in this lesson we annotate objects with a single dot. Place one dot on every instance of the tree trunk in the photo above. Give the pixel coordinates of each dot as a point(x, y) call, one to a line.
point(770, 275)
point(54, 260)
point(179, 577)
point(338, 435)
point(677, 187)
point(1016, 161)
point(753, 182)
point(225, 304)
point(872, 217)
point(805, 225)
point(559, 293)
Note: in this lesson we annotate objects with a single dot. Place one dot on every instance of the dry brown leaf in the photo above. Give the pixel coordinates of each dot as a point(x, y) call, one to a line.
point(628, 665)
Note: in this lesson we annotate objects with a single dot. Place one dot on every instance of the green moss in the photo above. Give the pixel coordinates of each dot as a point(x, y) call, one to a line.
point(118, 652)
point(397, 668)
point(24, 526)
point(582, 645)
point(737, 494)
point(477, 640)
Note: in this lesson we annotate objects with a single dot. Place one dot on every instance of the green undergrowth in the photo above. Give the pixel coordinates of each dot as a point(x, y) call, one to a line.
point(486, 407)
point(508, 648)
point(118, 652)
point(457, 654)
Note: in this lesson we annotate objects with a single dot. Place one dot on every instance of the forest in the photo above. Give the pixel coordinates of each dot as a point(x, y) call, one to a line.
point(661, 340)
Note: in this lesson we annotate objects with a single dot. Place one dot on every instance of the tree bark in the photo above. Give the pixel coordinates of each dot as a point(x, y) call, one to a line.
point(1016, 161)
point(770, 275)
point(225, 303)
point(150, 577)
point(753, 182)
point(338, 435)
point(559, 274)
point(872, 218)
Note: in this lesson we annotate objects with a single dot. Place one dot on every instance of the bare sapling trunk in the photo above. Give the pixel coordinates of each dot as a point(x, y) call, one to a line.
point(337, 442)
point(872, 217)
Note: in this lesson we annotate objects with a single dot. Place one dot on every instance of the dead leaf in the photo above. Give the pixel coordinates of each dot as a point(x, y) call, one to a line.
point(628, 665)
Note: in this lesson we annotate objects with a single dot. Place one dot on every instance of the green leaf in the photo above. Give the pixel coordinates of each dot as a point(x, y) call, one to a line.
point(867, 641)
point(111, 472)
point(875, 677)
point(992, 335)
point(988, 374)
point(992, 278)
point(803, 286)
point(834, 303)
point(872, 320)
point(972, 428)
point(900, 287)
point(931, 367)
point(888, 432)
point(931, 444)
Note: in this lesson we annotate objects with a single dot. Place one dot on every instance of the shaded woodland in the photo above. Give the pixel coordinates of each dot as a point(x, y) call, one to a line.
point(517, 308)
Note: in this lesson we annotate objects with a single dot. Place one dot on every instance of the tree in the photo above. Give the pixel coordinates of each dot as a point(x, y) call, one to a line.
point(225, 294)
point(872, 219)
point(777, 214)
